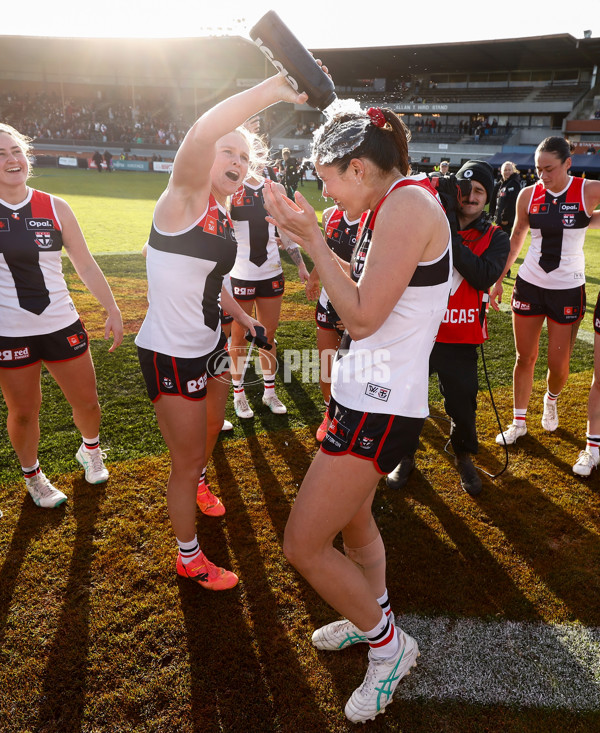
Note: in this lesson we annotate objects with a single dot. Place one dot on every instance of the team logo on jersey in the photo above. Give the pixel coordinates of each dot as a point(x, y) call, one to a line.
point(377, 392)
point(568, 220)
point(4, 225)
point(14, 354)
point(43, 240)
point(15, 216)
point(540, 208)
point(167, 383)
point(37, 225)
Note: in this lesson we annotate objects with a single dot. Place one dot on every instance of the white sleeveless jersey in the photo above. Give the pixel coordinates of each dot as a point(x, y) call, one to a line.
point(185, 276)
point(34, 298)
point(388, 372)
point(558, 223)
point(258, 253)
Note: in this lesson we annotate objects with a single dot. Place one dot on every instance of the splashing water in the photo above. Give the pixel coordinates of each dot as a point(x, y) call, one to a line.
point(343, 137)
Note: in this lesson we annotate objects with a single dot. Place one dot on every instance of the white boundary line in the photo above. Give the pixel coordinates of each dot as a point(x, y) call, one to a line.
point(504, 663)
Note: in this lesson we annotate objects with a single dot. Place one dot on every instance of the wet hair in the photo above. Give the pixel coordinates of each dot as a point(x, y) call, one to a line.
point(351, 133)
point(24, 142)
point(560, 146)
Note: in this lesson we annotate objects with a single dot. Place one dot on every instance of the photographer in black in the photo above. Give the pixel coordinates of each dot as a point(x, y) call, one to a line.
point(480, 252)
point(289, 173)
point(504, 199)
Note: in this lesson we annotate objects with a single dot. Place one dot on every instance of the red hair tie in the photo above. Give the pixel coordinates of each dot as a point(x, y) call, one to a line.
point(378, 118)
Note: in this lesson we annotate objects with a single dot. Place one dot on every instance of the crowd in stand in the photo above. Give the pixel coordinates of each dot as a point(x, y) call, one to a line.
point(45, 116)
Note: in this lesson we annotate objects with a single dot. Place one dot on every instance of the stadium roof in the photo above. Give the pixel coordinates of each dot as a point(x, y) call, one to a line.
point(562, 51)
point(235, 56)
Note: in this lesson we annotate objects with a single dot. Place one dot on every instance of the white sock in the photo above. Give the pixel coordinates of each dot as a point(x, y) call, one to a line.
point(383, 639)
point(519, 416)
point(189, 550)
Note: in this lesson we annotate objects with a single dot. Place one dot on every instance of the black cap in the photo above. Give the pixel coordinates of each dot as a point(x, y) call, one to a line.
point(480, 171)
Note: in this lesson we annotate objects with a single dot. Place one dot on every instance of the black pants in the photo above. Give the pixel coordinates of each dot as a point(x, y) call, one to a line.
point(456, 369)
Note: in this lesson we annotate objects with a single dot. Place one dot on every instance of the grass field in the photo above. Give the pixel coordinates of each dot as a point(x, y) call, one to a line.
point(97, 633)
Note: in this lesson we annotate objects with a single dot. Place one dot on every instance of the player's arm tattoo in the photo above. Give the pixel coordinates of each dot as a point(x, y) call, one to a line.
point(296, 255)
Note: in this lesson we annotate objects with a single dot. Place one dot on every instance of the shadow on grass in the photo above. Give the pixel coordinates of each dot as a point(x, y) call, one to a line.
point(32, 522)
point(446, 565)
point(65, 680)
point(561, 550)
point(256, 665)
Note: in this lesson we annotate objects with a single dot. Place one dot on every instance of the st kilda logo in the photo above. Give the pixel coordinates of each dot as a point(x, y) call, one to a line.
point(43, 240)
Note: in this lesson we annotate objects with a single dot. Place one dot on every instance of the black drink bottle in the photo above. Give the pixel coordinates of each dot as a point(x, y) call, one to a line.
point(289, 56)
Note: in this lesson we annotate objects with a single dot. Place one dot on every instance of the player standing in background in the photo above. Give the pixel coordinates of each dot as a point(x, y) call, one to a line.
point(257, 281)
point(550, 285)
point(38, 321)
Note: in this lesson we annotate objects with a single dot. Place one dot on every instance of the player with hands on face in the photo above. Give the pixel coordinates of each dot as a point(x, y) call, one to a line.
point(391, 305)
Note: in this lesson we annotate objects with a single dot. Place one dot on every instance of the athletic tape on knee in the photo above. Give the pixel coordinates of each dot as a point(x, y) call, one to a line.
point(371, 560)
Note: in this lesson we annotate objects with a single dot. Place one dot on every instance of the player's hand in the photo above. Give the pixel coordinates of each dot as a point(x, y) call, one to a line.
point(114, 325)
point(303, 274)
point(496, 296)
point(250, 324)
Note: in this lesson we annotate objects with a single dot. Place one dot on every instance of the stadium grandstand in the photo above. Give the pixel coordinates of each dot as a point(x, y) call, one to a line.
point(487, 99)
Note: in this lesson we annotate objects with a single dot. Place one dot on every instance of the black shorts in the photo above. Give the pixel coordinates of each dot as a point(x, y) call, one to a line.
point(597, 315)
point(251, 289)
point(321, 318)
point(561, 306)
point(172, 375)
point(63, 345)
point(383, 439)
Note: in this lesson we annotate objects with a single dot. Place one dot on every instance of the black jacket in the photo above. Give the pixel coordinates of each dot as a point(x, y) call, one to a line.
point(504, 200)
point(481, 272)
